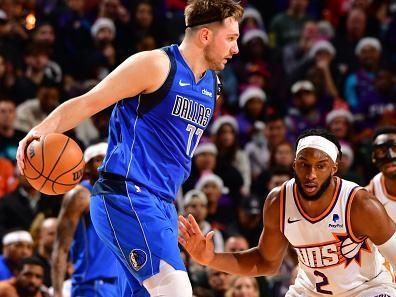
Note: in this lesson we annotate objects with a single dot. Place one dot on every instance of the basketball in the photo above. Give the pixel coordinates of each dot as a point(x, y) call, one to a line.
point(349, 249)
point(54, 165)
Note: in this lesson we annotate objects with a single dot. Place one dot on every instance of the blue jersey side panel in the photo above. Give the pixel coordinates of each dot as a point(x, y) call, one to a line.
point(91, 258)
point(151, 142)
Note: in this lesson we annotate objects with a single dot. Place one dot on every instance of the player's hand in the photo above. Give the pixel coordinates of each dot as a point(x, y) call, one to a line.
point(200, 247)
point(20, 155)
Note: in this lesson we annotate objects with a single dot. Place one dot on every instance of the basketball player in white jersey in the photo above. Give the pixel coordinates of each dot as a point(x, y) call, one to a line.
point(336, 227)
point(383, 185)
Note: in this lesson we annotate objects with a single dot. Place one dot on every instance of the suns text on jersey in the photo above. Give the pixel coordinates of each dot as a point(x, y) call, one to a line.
point(191, 110)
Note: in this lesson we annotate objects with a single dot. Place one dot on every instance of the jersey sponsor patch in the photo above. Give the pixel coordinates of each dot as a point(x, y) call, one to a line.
point(137, 258)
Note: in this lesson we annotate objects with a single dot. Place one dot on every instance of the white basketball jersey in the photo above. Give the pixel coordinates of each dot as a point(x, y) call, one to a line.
point(332, 261)
point(378, 189)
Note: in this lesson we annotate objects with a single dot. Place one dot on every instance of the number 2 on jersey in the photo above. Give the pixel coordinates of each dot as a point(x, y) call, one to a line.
point(323, 282)
point(193, 131)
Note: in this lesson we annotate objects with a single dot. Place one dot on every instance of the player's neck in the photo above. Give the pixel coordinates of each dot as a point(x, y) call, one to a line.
point(194, 58)
point(390, 185)
point(317, 207)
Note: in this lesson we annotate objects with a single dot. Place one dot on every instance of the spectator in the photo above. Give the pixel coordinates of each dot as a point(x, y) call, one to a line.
point(221, 209)
point(242, 286)
point(249, 219)
point(305, 113)
point(38, 69)
point(257, 150)
point(28, 282)
point(346, 41)
point(196, 203)
point(236, 243)
point(225, 130)
point(17, 245)
point(45, 245)
point(283, 155)
point(252, 103)
point(340, 123)
point(296, 54)
point(33, 111)
point(219, 282)
point(103, 58)
point(251, 19)
point(323, 72)
point(19, 208)
point(7, 75)
point(204, 161)
point(359, 86)
point(9, 136)
point(286, 27)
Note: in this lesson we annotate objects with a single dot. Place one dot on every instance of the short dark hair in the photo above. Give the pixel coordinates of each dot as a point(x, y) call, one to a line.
point(384, 130)
point(200, 12)
point(323, 133)
point(30, 261)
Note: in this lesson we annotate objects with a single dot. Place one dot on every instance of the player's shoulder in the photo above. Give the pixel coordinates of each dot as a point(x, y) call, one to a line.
point(273, 200)
point(156, 57)
point(364, 203)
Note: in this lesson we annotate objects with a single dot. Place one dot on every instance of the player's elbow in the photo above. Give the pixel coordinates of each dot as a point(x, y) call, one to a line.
point(269, 269)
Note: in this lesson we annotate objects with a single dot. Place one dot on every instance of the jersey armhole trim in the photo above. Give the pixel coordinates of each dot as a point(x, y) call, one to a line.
point(352, 196)
point(282, 210)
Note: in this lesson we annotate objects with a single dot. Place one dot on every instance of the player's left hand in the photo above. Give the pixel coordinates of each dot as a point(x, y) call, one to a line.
point(200, 247)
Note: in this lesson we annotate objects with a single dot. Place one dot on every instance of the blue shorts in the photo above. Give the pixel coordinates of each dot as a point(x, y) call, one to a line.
point(96, 288)
point(140, 228)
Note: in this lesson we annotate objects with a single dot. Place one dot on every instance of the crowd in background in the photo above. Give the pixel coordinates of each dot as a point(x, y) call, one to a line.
point(302, 64)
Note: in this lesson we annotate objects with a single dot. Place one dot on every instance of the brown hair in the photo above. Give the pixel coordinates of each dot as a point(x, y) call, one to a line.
point(200, 12)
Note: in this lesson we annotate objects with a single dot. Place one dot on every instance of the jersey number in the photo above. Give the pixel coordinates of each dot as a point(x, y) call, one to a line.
point(324, 282)
point(192, 130)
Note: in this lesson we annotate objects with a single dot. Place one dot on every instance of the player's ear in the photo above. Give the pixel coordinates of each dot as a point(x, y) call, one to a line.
point(204, 35)
point(334, 169)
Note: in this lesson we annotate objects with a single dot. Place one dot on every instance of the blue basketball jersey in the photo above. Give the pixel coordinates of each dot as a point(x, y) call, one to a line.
point(91, 258)
point(153, 136)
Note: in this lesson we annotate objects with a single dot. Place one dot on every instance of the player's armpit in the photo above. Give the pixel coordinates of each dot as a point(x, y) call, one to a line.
point(370, 219)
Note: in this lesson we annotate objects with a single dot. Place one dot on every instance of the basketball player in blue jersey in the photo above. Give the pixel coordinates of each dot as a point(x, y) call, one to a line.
point(164, 99)
point(338, 229)
point(95, 269)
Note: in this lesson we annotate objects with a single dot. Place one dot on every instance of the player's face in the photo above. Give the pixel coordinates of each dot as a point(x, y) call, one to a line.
point(314, 170)
point(384, 154)
point(223, 44)
point(30, 279)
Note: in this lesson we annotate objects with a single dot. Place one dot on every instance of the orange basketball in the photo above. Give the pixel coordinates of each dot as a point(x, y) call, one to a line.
point(54, 165)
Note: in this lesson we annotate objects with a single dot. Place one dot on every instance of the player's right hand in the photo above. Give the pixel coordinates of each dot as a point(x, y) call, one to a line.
point(20, 155)
point(200, 247)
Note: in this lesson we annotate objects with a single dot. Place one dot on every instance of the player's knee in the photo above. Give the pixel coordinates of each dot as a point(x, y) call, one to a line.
point(169, 283)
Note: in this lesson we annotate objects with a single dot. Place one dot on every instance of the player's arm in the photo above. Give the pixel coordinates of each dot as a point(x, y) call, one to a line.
point(144, 72)
point(74, 204)
point(264, 259)
point(370, 219)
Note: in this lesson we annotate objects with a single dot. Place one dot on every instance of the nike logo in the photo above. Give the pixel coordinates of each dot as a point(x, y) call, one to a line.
point(291, 221)
point(183, 84)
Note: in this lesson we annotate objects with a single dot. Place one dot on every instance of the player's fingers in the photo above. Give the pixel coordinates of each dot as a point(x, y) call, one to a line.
point(182, 242)
point(183, 231)
point(187, 225)
point(20, 156)
point(194, 224)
